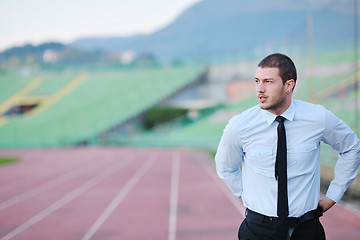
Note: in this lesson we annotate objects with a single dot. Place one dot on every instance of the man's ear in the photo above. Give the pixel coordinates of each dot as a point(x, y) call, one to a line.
point(289, 85)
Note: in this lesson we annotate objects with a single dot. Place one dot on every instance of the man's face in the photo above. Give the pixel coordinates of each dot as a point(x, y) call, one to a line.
point(272, 94)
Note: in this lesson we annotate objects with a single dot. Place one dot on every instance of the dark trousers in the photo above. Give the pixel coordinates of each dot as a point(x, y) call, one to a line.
point(264, 228)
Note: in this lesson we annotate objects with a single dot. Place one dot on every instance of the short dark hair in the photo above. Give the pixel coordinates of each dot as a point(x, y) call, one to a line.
point(286, 66)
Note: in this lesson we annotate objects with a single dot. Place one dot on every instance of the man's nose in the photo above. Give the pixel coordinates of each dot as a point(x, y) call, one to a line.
point(260, 87)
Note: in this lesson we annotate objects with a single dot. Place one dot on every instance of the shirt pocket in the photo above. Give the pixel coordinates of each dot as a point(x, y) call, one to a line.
point(303, 157)
point(262, 160)
point(305, 148)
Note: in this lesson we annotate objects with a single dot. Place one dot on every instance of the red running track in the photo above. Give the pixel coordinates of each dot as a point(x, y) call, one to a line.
point(128, 194)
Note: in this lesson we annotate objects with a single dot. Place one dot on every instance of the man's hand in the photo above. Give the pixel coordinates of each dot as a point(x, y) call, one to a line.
point(326, 203)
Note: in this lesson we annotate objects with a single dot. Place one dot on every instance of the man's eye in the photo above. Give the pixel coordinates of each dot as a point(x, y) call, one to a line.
point(268, 81)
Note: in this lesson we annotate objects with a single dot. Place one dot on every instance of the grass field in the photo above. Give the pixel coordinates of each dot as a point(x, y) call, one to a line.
point(8, 160)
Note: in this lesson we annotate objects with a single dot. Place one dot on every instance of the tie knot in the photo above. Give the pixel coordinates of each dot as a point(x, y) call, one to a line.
point(280, 119)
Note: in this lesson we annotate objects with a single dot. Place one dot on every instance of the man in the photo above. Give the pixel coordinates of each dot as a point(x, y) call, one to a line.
point(277, 143)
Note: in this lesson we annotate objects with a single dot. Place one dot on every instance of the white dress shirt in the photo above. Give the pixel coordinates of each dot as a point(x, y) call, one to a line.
point(250, 139)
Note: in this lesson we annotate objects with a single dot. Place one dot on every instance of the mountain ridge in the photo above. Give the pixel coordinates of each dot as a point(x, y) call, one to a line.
point(213, 29)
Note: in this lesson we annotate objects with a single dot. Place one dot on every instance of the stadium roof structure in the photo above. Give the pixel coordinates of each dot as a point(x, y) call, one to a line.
point(66, 109)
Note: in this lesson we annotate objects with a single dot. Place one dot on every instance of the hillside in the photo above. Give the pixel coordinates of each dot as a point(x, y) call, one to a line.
point(218, 28)
point(207, 32)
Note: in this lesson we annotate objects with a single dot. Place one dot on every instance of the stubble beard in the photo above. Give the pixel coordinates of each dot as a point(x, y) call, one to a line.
point(274, 106)
point(279, 103)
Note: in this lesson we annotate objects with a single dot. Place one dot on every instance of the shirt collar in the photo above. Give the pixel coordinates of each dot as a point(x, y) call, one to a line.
point(288, 114)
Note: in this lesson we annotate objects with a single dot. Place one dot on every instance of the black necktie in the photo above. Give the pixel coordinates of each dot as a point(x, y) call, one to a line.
point(281, 170)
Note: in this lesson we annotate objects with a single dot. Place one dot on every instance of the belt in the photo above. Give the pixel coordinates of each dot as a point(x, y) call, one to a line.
point(254, 216)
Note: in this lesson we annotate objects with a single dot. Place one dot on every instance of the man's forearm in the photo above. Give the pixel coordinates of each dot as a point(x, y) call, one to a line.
point(326, 203)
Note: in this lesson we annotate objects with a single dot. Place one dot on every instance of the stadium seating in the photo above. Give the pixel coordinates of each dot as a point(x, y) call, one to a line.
point(76, 107)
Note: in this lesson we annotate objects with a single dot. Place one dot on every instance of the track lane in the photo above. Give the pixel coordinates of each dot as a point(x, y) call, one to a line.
point(178, 197)
point(63, 200)
point(144, 213)
point(38, 167)
point(77, 216)
point(118, 199)
point(205, 212)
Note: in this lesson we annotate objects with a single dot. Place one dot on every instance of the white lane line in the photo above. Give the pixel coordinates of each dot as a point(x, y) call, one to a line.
point(175, 175)
point(66, 177)
point(67, 198)
point(234, 200)
point(118, 199)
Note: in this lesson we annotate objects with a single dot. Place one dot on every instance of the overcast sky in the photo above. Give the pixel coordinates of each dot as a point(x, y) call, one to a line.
point(36, 21)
